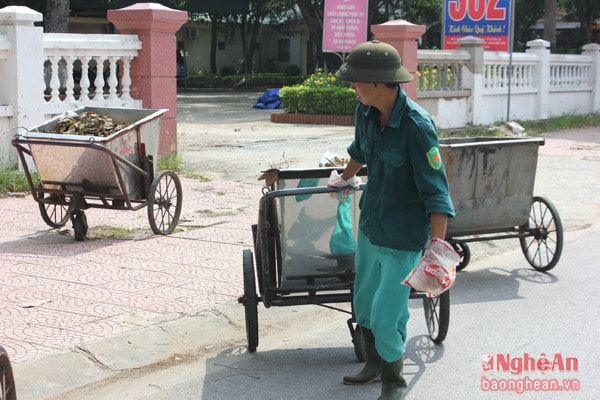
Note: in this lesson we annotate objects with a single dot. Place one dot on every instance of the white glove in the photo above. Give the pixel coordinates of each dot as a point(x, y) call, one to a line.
point(335, 180)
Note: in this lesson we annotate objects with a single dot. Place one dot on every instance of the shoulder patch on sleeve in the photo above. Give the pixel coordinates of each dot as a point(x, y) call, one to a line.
point(434, 158)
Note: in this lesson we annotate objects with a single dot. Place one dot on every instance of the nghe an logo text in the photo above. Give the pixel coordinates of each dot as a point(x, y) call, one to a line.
point(526, 362)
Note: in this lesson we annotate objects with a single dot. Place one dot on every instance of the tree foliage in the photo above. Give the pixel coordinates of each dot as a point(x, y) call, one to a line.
point(585, 12)
point(428, 13)
point(527, 12)
point(279, 15)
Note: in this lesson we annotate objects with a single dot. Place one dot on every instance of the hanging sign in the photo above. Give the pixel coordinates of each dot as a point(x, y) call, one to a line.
point(486, 19)
point(344, 24)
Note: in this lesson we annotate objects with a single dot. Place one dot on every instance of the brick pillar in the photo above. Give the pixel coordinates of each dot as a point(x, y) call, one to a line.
point(403, 36)
point(153, 72)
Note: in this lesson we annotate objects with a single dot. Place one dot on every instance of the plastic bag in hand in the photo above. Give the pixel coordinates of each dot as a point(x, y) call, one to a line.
point(436, 271)
point(336, 180)
point(347, 186)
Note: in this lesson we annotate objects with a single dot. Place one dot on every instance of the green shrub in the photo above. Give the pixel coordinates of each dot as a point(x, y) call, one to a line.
point(261, 80)
point(322, 80)
point(292, 70)
point(227, 70)
point(273, 80)
point(316, 100)
point(13, 180)
point(320, 93)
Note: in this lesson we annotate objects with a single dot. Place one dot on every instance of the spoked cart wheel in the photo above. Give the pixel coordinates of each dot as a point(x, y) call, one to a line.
point(7, 382)
point(164, 202)
point(543, 246)
point(464, 252)
point(437, 315)
point(250, 301)
point(55, 209)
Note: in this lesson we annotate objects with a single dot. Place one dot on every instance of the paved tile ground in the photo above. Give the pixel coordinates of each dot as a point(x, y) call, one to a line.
point(58, 293)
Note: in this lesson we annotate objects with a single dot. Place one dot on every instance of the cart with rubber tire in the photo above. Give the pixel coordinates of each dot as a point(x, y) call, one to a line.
point(78, 172)
point(296, 257)
point(491, 185)
point(7, 381)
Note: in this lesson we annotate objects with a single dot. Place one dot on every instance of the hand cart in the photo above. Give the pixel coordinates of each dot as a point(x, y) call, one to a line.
point(78, 172)
point(7, 381)
point(491, 185)
point(294, 257)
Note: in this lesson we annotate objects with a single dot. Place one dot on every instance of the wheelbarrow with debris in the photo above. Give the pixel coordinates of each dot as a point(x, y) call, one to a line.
point(98, 157)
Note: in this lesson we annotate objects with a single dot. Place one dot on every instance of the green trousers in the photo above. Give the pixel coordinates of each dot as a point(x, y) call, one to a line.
point(380, 298)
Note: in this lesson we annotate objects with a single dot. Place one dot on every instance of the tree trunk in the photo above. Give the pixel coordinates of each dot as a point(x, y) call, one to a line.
point(587, 10)
point(56, 19)
point(313, 18)
point(254, 31)
point(213, 43)
point(550, 23)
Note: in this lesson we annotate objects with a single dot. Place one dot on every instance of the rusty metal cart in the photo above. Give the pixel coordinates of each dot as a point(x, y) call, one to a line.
point(491, 184)
point(292, 262)
point(7, 381)
point(115, 172)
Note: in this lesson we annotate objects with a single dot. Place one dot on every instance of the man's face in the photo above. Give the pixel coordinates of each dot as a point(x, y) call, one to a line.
point(365, 92)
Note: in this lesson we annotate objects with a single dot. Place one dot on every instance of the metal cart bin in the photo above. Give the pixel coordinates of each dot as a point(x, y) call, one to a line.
point(77, 172)
point(491, 185)
point(295, 259)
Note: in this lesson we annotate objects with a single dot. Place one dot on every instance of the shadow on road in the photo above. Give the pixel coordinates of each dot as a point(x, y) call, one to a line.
point(313, 373)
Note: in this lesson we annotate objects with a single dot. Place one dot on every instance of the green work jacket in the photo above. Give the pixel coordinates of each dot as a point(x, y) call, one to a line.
point(406, 178)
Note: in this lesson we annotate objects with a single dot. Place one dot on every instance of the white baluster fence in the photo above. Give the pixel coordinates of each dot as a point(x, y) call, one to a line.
point(469, 86)
point(84, 70)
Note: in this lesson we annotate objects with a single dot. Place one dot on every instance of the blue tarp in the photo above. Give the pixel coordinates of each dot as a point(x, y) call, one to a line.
point(269, 100)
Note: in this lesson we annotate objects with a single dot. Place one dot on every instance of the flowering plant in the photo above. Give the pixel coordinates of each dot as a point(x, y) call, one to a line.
point(320, 79)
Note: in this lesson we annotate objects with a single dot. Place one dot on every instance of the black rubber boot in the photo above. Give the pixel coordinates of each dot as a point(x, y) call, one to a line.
point(393, 385)
point(371, 372)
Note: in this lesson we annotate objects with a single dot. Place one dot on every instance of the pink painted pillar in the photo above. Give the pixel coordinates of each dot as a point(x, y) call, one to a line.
point(153, 71)
point(403, 36)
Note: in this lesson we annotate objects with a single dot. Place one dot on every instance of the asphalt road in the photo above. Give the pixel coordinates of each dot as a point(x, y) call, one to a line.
point(500, 307)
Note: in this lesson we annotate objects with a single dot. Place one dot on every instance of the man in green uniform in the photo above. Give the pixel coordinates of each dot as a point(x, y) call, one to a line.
point(405, 204)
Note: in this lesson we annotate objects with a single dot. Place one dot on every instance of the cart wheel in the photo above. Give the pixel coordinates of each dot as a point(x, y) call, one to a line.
point(464, 252)
point(55, 209)
point(250, 302)
point(543, 246)
point(80, 226)
point(359, 344)
point(437, 316)
point(7, 382)
point(164, 202)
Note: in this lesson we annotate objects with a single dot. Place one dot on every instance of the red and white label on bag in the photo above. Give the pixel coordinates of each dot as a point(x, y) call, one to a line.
point(436, 271)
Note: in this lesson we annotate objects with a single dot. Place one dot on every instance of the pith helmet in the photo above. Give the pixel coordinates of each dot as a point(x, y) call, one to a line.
point(375, 62)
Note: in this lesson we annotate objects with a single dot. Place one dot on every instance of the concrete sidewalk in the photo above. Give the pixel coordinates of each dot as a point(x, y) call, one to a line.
point(74, 312)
